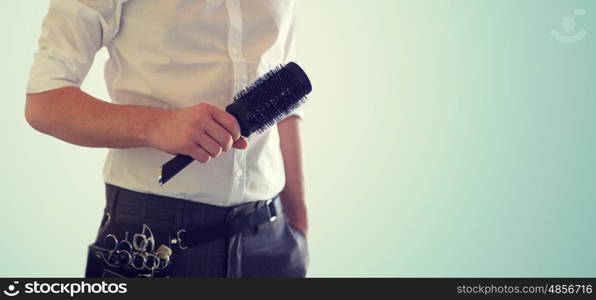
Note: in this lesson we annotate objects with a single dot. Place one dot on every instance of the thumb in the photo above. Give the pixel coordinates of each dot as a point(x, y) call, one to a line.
point(240, 143)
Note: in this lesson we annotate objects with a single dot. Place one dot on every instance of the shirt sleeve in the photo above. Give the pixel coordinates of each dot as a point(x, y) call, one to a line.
point(72, 32)
point(292, 56)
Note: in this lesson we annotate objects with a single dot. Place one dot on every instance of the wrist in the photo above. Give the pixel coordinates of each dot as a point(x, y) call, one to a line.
point(150, 126)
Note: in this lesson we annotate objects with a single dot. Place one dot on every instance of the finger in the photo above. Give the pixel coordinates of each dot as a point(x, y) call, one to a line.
point(240, 143)
point(208, 144)
point(220, 135)
point(227, 121)
point(198, 153)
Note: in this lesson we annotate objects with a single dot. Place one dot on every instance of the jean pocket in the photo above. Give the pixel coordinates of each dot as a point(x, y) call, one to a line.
point(299, 254)
point(299, 237)
point(295, 230)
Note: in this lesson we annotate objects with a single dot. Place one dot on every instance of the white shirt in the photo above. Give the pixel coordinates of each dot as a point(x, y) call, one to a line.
point(175, 54)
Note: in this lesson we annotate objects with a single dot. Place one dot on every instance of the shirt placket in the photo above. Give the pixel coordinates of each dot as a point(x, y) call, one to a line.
point(240, 79)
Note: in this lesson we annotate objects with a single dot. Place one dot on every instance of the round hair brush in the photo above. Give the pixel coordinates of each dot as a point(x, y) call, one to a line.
point(265, 102)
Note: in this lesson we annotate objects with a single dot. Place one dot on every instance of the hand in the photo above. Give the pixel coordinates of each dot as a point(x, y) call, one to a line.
point(201, 131)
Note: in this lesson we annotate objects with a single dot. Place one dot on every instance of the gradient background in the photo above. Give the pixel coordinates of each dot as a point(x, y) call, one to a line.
point(443, 138)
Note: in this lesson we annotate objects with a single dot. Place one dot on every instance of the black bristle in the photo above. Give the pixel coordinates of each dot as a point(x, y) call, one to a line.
point(281, 115)
point(239, 96)
point(270, 98)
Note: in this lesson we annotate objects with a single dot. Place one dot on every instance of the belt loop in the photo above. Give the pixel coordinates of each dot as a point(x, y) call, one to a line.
point(232, 212)
point(180, 218)
point(111, 199)
point(278, 205)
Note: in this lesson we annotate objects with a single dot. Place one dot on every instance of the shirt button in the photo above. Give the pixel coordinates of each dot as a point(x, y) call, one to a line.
point(239, 173)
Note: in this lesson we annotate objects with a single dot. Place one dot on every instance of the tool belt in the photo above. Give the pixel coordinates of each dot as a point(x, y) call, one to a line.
point(132, 251)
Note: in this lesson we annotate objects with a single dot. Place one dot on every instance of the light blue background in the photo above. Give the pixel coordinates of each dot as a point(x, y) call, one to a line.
point(443, 138)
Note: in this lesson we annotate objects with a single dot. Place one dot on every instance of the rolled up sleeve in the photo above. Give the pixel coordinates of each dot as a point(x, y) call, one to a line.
point(72, 33)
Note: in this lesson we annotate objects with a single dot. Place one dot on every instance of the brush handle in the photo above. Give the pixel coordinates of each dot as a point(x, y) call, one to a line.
point(173, 167)
point(181, 161)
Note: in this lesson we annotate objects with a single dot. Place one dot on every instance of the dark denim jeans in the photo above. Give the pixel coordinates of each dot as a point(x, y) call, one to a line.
point(275, 249)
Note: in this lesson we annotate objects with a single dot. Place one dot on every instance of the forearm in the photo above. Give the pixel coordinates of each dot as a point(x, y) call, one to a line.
point(293, 196)
point(78, 118)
